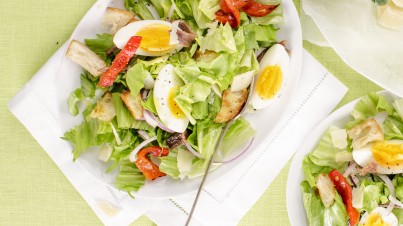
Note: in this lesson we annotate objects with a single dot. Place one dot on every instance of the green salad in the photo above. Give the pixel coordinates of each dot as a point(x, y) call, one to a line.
point(161, 83)
point(354, 174)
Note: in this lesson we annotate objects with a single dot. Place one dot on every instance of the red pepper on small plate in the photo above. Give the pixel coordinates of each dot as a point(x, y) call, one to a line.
point(120, 61)
point(146, 166)
point(344, 189)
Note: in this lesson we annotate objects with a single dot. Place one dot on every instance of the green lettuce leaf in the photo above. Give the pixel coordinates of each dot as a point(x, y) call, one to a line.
point(313, 206)
point(82, 137)
point(398, 105)
point(130, 177)
point(398, 183)
point(135, 77)
point(162, 7)
point(369, 106)
point(200, 18)
point(324, 153)
point(139, 8)
point(374, 193)
point(393, 127)
point(169, 164)
point(317, 214)
point(236, 137)
point(101, 44)
point(218, 39)
point(73, 101)
point(209, 8)
point(312, 171)
point(124, 117)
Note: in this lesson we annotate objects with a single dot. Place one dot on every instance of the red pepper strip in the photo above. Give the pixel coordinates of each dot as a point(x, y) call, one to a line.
point(120, 61)
point(146, 166)
point(257, 9)
point(224, 18)
point(235, 13)
point(345, 191)
point(237, 3)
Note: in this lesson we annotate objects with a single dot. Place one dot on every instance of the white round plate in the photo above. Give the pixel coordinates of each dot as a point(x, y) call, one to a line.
point(263, 121)
point(351, 28)
point(295, 206)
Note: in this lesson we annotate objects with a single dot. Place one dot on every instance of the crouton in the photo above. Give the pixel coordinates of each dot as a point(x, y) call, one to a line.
point(86, 58)
point(231, 105)
point(133, 104)
point(365, 132)
point(115, 19)
point(105, 110)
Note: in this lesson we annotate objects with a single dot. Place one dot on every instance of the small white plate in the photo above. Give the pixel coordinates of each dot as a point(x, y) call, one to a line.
point(295, 205)
point(263, 121)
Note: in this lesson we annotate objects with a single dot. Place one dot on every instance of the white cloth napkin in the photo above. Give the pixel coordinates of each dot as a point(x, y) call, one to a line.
point(222, 203)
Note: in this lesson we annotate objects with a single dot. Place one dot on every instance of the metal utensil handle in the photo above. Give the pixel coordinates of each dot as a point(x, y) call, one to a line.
point(215, 151)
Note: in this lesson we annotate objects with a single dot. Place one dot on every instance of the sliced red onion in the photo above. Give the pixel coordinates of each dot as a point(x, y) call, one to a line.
point(143, 134)
point(171, 11)
point(132, 155)
point(150, 118)
point(154, 122)
point(390, 207)
point(115, 133)
point(351, 169)
point(233, 157)
point(144, 94)
point(394, 200)
point(191, 150)
point(355, 180)
point(388, 184)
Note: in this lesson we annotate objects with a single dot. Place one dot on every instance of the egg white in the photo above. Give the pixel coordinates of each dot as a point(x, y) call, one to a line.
point(276, 55)
point(388, 217)
point(363, 157)
point(123, 35)
point(166, 80)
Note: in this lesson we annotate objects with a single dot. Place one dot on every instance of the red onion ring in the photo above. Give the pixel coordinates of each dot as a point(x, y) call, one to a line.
point(232, 158)
point(154, 122)
point(351, 170)
point(396, 202)
point(388, 184)
point(132, 155)
point(143, 134)
point(191, 150)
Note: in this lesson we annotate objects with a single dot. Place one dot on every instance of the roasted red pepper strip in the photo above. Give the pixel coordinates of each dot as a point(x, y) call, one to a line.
point(257, 9)
point(233, 11)
point(146, 166)
point(120, 61)
point(237, 3)
point(345, 191)
point(224, 18)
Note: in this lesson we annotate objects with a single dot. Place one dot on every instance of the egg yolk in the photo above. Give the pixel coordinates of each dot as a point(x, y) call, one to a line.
point(173, 106)
point(269, 82)
point(155, 38)
point(374, 219)
point(387, 154)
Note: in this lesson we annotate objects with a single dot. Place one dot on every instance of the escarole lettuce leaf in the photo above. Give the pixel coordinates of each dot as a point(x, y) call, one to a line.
point(369, 106)
point(317, 214)
point(219, 38)
point(130, 178)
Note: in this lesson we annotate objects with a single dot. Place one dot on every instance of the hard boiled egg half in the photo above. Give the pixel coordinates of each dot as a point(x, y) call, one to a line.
point(165, 88)
point(379, 216)
point(274, 69)
point(383, 157)
point(158, 37)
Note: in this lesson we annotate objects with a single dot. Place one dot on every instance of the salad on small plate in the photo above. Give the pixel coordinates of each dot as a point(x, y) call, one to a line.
point(349, 170)
point(160, 80)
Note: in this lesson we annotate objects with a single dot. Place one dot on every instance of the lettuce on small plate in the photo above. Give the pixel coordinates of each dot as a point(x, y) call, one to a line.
point(318, 154)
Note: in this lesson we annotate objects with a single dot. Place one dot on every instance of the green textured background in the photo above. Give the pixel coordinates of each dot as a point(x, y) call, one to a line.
point(33, 190)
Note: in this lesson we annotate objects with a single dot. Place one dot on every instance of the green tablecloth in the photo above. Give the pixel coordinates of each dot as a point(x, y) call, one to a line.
point(33, 190)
